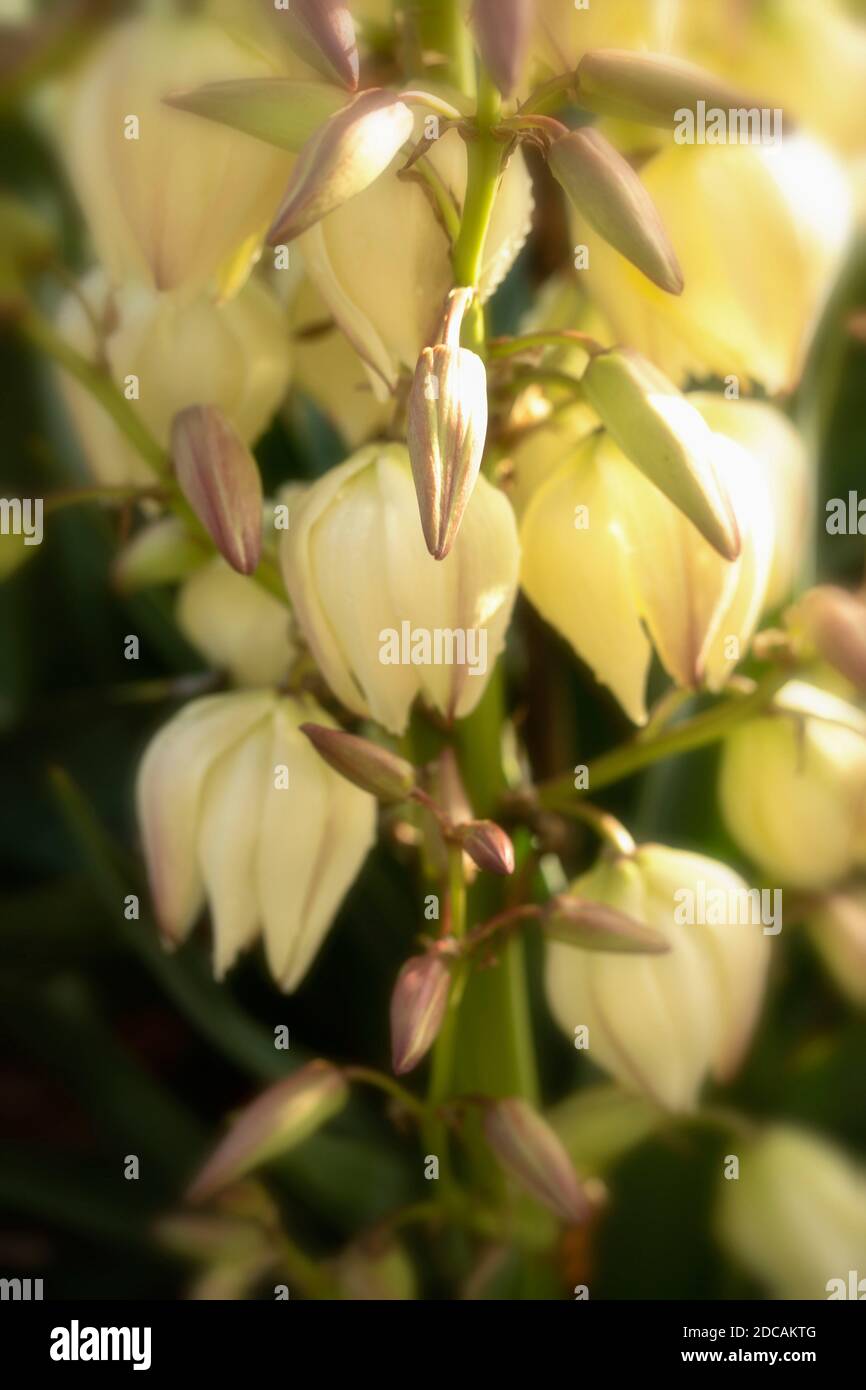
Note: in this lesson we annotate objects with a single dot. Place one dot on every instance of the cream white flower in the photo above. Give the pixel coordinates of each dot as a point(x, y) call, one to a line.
point(183, 352)
point(364, 588)
point(793, 788)
point(237, 809)
point(837, 927)
point(779, 452)
point(605, 555)
point(564, 32)
point(759, 232)
point(236, 624)
point(661, 1023)
point(327, 368)
point(382, 262)
point(169, 198)
point(796, 1216)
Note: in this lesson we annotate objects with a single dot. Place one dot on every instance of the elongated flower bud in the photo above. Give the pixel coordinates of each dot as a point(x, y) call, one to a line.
point(534, 1156)
point(372, 768)
point(417, 1010)
point(447, 427)
point(605, 189)
point(835, 620)
point(650, 88)
point(487, 845)
point(322, 33)
point(502, 32)
point(348, 154)
point(598, 927)
point(219, 478)
point(275, 1122)
point(284, 112)
point(666, 438)
point(659, 1023)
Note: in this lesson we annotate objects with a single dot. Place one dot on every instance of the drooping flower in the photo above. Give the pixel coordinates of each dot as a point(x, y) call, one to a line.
point(795, 1217)
point(237, 810)
point(169, 198)
point(793, 787)
point(384, 620)
point(660, 1023)
point(167, 353)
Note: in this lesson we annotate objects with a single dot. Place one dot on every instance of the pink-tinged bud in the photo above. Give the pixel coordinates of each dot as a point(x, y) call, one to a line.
point(370, 767)
point(835, 621)
point(650, 88)
point(606, 191)
point(447, 427)
point(487, 845)
point(342, 159)
point(322, 33)
point(530, 1151)
point(597, 927)
point(219, 478)
point(502, 33)
point(275, 1122)
point(417, 1008)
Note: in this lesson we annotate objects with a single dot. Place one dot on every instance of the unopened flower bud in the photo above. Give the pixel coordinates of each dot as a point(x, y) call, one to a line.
point(835, 621)
point(502, 32)
point(666, 438)
point(219, 478)
point(796, 1216)
point(417, 1009)
point(660, 1023)
point(237, 625)
point(275, 1122)
point(534, 1156)
point(598, 927)
point(487, 845)
point(608, 193)
point(322, 33)
point(447, 427)
point(370, 766)
point(342, 159)
point(650, 88)
point(280, 110)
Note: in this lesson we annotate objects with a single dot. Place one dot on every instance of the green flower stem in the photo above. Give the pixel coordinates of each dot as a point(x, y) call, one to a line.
point(368, 1077)
point(440, 27)
point(100, 385)
point(484, 167)
point(559, 793)
point(566, 337)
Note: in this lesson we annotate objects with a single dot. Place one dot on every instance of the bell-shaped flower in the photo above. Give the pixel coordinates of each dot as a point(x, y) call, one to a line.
point(384, 620)
point(166, 353)
point(604, 552)
point(169, 199)
point(389, 301)
point(661, 1023)
point(795, 1218)
point(793, 787)
point(759, 232)
point(238, 810)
